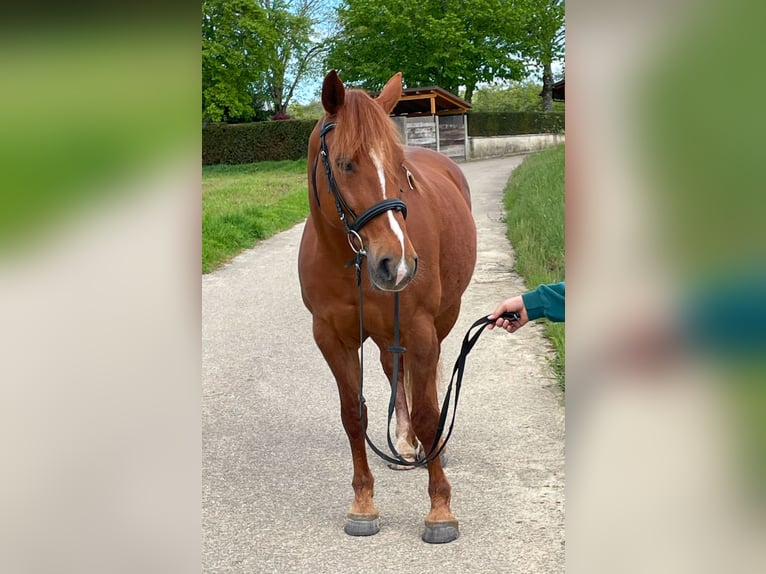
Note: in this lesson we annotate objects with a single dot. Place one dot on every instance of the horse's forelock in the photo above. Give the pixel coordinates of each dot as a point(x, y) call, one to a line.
point(363, 127)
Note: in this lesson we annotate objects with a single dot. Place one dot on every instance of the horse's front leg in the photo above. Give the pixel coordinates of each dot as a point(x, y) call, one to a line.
point(362, 517)
point(422, 363)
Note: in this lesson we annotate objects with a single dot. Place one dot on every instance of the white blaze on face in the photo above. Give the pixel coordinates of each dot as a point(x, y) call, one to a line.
point(401, 270)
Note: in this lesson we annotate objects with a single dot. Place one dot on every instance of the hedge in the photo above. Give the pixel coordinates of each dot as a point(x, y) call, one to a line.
point(257, 141)
point(288, 139)
point(514, 123)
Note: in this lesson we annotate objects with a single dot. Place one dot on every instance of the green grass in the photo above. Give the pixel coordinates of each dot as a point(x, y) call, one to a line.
point(534, 201)
point(244, 203)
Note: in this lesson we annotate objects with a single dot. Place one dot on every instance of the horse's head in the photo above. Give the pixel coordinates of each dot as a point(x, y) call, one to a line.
point(361, 177)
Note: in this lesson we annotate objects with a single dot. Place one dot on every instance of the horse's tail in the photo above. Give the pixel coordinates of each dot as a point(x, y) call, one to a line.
point(408, 386)
point(441, 386)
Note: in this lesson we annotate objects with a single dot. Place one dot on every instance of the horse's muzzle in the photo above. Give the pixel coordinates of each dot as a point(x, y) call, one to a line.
point(391, 274)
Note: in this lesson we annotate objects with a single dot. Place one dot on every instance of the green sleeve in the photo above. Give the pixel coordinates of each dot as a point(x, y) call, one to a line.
point(546, 301)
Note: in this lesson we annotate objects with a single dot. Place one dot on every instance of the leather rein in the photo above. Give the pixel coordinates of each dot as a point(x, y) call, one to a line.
point(353, 224)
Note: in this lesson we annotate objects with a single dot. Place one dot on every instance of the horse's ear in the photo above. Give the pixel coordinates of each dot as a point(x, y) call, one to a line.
point(391, 93)
point(333, 93)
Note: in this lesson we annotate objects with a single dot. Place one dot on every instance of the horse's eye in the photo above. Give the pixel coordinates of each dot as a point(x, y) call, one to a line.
point(345, 164)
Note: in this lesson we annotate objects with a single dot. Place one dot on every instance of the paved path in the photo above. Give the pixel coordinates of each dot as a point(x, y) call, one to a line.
point(276, 462)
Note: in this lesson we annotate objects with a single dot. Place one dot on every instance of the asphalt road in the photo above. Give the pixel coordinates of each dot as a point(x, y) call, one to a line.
point(276, 461)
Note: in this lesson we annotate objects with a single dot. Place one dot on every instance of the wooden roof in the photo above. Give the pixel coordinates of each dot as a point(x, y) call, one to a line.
point(429, 101)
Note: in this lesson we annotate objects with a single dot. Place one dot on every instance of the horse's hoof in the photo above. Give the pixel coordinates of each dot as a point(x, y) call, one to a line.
point(357, 525)
point(443, 458)
point(394, 466)
point(441, 532)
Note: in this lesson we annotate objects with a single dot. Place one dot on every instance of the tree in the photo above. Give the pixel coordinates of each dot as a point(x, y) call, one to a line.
point(311, 111)
point(294, 51)
point(254, 55)
point(235, 36)
point(543, 40)
point(516, 97)
point(449, 43)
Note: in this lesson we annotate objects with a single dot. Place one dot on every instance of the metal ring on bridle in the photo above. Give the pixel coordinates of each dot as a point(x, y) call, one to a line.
point(352, 237)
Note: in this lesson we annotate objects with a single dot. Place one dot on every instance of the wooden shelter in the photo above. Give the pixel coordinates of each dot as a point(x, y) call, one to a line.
point(434, 118)
point(431, 101)
point(558, 91)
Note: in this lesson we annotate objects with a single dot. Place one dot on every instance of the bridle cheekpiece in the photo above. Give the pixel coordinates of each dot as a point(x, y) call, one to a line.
point(351, 221)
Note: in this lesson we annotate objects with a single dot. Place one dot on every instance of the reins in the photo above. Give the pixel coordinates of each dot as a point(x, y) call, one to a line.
point(469, 341)
point(357, 246)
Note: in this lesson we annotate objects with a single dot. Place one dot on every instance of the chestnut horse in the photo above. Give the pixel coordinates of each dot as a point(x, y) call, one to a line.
point(418, 235)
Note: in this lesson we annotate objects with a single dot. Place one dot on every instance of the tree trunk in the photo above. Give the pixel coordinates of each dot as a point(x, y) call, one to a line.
point(469, 89)
point(547, 93)
point(277, 100)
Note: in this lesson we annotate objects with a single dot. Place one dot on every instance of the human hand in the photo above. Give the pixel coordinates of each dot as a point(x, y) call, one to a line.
point(514, 304)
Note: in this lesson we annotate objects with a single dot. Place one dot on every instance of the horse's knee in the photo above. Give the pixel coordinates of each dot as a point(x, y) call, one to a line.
point(424, 421)
point(352, 421)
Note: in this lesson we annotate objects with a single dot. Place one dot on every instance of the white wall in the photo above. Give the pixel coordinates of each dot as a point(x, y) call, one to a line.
point(498, 146)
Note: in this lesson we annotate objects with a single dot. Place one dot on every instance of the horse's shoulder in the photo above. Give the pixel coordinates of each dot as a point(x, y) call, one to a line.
point(425, 162)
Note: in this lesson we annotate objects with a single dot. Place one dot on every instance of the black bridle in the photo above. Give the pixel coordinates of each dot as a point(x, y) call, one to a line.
point(352, 222)
point(357, 246)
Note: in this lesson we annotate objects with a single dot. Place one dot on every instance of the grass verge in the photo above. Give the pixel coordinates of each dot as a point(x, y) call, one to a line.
point(244, 203)
point(534, 202)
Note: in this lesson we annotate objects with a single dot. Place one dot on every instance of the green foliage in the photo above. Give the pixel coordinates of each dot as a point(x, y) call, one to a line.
point(311, 111)
point(244, 203)
point(534, 202)
point(294, 55)
point(254, 54)
point(449, 43)
point(258, 141)
point(483, 124)
point(543, 39)
point(235, 36)
point(516, 97)
point(521, 97)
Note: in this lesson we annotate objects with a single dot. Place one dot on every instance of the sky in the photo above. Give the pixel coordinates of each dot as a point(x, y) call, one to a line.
point(309, 91)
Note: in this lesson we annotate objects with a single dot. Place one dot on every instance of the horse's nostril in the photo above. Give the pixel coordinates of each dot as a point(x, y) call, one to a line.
point(385, 266)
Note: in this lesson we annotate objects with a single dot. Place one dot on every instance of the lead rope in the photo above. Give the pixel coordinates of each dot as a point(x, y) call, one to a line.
point(469, 341)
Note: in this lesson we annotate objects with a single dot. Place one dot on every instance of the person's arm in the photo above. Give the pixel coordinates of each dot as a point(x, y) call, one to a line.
point(546, 301)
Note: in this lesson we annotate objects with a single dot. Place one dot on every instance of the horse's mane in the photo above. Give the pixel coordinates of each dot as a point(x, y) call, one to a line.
point(361, 127)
